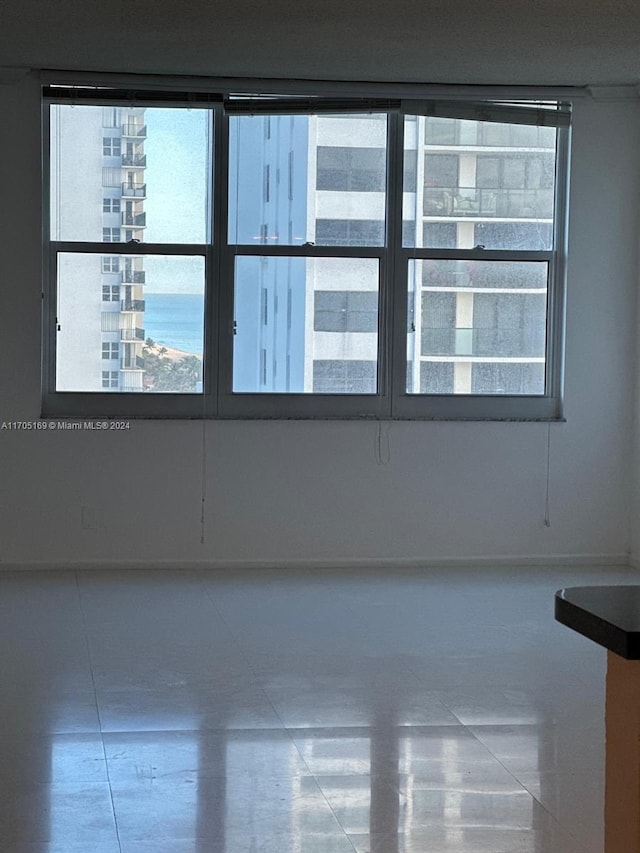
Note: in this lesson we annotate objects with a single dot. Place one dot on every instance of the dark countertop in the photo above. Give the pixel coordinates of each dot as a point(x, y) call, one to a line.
point(608, 615)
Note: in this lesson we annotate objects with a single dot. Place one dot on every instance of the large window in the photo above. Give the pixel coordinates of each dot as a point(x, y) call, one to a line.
point(272, 256)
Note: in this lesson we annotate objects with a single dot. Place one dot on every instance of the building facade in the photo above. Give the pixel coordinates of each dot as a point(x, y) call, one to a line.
point(98, 194)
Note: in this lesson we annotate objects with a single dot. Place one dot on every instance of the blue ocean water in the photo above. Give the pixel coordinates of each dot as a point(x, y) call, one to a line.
point(175, 320)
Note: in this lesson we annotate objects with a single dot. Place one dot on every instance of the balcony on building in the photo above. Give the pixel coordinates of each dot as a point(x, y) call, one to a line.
point(132, 380)
point(517, 345)
point(135, 160)
point(135, 305)
point(137, 235)
point(134, 129)
point(503, 203)
point(132, 335)
point(134, 191)
point(134, 220)
point(131, 276)
point(132, 362)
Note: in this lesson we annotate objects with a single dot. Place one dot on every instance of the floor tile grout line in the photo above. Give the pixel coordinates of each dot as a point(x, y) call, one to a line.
point(200, 574)
point(554, 817)
point(275, 710)
point(564, 828)
point(243, 654)
point(322, 793)
point(95, 694)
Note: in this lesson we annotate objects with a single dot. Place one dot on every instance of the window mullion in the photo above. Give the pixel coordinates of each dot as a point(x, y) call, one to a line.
point(393, 334)
point(49, 324)
point(556, 299)
point(297, 251)
point(50, 272)
point(224, 324)
point(214, 280)
point(480, 254)
point(106, 248)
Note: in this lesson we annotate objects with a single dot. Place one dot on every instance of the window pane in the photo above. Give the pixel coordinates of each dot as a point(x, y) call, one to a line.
point(479, 183)
point(346, 311)
point(487, 378)
point(476, 327)
point(145, 178)
point(298, 179)
point(306, 325)
point(347, 168)
point(335, 376)
point(148, 340)
point(349, 232)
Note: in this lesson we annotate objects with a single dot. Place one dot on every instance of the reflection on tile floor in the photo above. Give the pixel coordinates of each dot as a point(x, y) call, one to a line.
point(290, 712)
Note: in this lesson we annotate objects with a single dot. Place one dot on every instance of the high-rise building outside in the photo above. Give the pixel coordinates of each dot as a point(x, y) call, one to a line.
point(473, 327)
point(310, 324)
point(98, 195)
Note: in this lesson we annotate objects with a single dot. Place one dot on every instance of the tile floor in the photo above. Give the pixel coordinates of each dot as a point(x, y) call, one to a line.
point(288, 712)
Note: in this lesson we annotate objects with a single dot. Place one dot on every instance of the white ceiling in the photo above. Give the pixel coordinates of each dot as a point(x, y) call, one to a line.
point(437, 41)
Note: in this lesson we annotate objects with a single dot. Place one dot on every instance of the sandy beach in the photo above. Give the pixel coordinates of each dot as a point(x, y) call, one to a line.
point(170, 353)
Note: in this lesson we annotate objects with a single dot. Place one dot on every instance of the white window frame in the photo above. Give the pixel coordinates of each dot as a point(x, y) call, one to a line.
point(111, 293)
point(110, 350)
point(108, 234)
point(392, 400)
point(111, 205)
point(111, 146)
point(108, 267)
point(110, 378)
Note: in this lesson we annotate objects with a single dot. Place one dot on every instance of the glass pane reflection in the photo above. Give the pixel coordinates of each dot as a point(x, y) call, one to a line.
point(320, 790)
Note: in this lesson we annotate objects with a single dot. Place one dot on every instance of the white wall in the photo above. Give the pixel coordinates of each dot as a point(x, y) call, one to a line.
point(316, 491)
